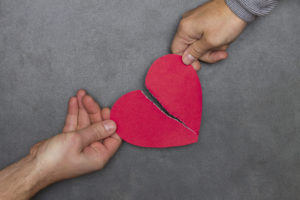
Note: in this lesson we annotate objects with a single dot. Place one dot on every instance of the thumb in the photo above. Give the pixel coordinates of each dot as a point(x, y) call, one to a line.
point(195, 51)
point(97, 131)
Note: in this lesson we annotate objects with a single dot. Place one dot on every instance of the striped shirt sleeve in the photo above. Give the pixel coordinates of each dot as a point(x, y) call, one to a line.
point(248, 10)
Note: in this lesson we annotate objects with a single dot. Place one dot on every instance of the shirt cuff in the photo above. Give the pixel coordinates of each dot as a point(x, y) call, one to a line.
point(237, 8)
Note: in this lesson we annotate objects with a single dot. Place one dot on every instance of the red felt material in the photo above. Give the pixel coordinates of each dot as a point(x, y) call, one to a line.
point(177, 88)
point(142, 123)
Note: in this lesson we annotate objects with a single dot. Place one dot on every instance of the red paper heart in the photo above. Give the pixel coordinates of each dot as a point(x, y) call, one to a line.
point(142, 123)
point(177, 88)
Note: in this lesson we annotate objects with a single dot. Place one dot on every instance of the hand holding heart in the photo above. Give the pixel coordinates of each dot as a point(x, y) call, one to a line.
point(86, 144)
point(89, 140)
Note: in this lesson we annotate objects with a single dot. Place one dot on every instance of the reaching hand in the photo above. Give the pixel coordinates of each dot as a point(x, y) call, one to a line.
point(87, 143)
point(205, 33)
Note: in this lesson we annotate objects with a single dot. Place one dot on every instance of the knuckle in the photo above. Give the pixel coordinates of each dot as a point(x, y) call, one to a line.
point(213, 41)
point(99, 130)
point(196, 51)
point(185, 24)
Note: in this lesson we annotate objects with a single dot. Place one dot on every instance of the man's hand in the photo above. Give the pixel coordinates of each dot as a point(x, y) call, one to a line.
point(86, 145)
point(205, 33)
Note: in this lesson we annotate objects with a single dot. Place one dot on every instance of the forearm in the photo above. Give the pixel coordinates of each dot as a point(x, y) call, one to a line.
point(249, 9)
point(21, 180)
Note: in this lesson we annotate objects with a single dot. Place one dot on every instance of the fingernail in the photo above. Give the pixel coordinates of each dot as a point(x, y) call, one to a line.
point(189, 59)
point(109, 125)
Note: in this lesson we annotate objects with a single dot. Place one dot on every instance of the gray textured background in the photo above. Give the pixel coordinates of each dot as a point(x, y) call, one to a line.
point(249, 145)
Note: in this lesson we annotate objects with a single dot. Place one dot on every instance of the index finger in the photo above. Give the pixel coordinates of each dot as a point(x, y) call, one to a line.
point(93, 109)
point(179, 44)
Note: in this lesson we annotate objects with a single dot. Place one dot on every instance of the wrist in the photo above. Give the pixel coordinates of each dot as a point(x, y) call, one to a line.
point(38, 178)
point(228, 15)
point(21, 180)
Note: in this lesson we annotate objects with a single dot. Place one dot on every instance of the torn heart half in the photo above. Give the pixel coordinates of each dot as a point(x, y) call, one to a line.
point(177, 88)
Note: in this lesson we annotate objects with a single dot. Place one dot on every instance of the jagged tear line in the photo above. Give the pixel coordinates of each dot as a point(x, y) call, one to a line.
point(151, 98)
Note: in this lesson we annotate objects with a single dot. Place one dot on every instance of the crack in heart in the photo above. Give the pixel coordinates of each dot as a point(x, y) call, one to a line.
point(168, 112)
point(152, 98)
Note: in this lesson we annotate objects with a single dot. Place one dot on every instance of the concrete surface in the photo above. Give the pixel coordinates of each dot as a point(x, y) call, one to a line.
point(249, 145)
